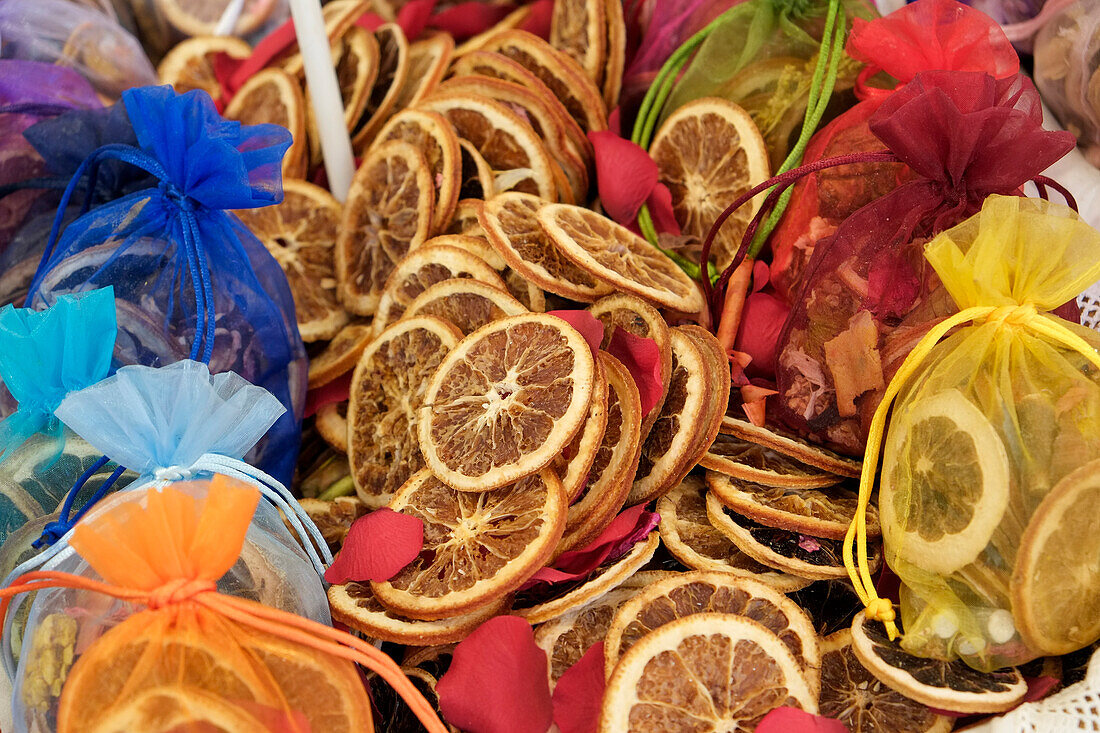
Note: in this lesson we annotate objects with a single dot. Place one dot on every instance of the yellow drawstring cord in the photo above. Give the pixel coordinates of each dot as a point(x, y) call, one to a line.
point(1024, 315)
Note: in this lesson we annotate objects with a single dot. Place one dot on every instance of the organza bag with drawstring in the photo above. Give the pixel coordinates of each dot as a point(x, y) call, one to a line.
point(190, 280)
point(990, 482)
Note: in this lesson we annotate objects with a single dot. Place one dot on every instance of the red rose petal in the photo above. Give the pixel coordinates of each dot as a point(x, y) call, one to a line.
point(578, 696)
point(378, 545)
point(587, 324)
point(793, 720)
point(327, 394)
point(761, 273)
point(762, 321)
point(615, 121)
point(659, 204)
point(538, 20)
point(413, 17)
point(642, 359)
point(753, 398)
point(497, 681)
point(469, 18)
point(625, 175)
point(370, 21)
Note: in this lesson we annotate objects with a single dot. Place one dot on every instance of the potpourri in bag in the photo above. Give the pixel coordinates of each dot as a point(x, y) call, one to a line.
point(1067, 72)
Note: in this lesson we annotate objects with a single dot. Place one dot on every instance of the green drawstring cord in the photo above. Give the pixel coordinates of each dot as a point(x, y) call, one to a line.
point(821, 90)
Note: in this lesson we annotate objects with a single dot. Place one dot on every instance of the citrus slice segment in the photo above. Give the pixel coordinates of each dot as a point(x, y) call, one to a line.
point(616, 54)
point(436, 139)
point(667, 452)
point(510, 223)
point(543, 602)
point(331, 422)
point(709, 153)
point(566, 638)
point(504, 139)
point(477, 178)
point(466, 304)
point(816, 512)
point(393, 70)
point(388, 212)
point(712, 592)
point(505, 401)
point(749, 461)
point(1056, 582)
point(424, 266)
point(705, 672)
point(340, 355)
point(561, 74)
point(354, 605)
point(465, 220)
point(791, 445)
point(575, 461)
point(855, 697)
point(334, 518)
point(945, 479)
point(611, 474)
point(578, 28)
point(387, 391)
point(689, 536)
point(190, 63)
point(474, 244)
point(200, 17)
point(300, 234)
point(616, 255)
point(814, 558)
point(942, 685)
point(429, 58)
point(274, 96)
point(477, 547)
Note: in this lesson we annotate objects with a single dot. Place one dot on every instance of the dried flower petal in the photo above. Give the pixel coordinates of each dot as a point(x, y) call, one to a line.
point(809, 544)
point(328, 394)
point(625, 175)
point(497, 681)
point(585, 323)
point(793, 720)
point(578, 696)
point(762, 321)
point(377, 547)
point(659, 204)
point(538, 20)
point(642, 359)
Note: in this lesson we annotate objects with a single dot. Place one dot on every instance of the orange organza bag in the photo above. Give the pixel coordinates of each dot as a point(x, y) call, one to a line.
point(156, 643)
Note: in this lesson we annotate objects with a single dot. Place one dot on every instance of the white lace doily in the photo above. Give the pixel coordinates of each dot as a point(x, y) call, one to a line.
point(1075, 709)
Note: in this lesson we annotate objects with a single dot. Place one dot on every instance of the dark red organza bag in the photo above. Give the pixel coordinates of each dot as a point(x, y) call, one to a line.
point(868, 295)
point(927, 35)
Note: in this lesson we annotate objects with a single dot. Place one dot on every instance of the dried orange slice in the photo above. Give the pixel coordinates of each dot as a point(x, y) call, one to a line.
point(793, 446)
point(611, 474)
point(429, 58)
point(668, 451)
point(300, 234)
point(525, 292)
point(334, 518)
point(855, 697)
point(474, 244)
point(685, 594)
point(465, 219)
point(543, 602)
point(759, 464)
point(387, 391)
point(566, 638)
point(506, 401)
point(200, 17)
point(575, 461)
point(705, 672)
point(393, 70)
point(169, 707)
point(478, 178)
point(424, 266)
point(578, 28)
point(1055, 581)
point(466, 304)
point(510, 223)
point(354, 605)
point(340, 355)
point(719, 383)
point(477, 547)
point(505, 141)
point(356, 72)
point(274, 96)
point(190, 64)
point(435, 138)
point(616, 255)
point(689, 536)
point(561, 74)
point(388, 212)
point(815, 512)
point(616, 54)
point(339, 16)
point(331, 422)
point(709, 153)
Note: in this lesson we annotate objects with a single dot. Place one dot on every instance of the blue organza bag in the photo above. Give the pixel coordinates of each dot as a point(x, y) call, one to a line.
point(45, 355)
point(190, 280)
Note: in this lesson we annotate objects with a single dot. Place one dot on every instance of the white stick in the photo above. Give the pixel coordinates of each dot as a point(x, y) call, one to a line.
point(230, 16)
point(328, 106)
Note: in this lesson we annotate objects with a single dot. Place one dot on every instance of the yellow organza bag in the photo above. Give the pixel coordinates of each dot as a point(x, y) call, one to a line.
point(990, 486)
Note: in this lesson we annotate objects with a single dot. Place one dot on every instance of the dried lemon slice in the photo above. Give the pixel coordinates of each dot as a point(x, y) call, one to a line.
point(1056, 582)
point(436, 139)
point(945, 479)
point(709, 153)
point(616, 255)
point(339, 355)
point(578, 28)
point(466, 304)
point(566, 638)
point(190, 63)
point(705, 672)
point(505, 401)
point(510, 223)
point(713, 592)
point(300, 234)
point(388, 212)
point(274, 96)
point(477, 547)
point(387, 391)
